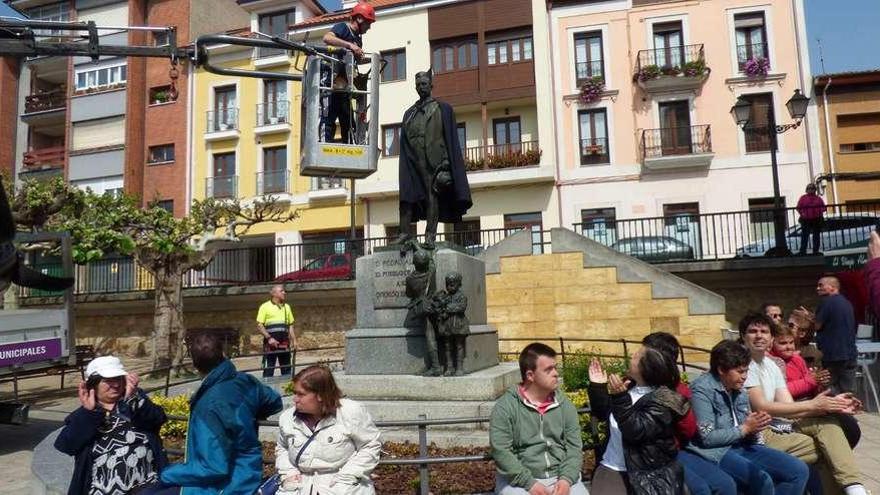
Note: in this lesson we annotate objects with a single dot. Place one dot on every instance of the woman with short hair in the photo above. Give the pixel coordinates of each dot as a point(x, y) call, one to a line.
point(326, 444)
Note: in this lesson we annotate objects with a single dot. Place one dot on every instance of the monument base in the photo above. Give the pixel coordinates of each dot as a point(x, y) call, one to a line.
point(401, 351)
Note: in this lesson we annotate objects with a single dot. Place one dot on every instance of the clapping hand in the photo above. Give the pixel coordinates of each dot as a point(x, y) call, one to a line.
point(827, 403)
point(87, 396)
point(755, 422)
point(617, 385)
point(854, 405)
point(597, 374)
point(822, 377)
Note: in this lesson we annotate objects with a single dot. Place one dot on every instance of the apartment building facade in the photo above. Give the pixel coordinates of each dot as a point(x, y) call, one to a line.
point(849, 111)
point(642, 92)
point(115, 124)
point(489, 60)
point(247, 135)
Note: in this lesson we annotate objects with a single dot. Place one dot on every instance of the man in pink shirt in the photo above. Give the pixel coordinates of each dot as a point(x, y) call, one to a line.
point(810, 207)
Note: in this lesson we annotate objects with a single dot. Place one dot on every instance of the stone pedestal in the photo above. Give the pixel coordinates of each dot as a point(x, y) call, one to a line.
point(381, 345)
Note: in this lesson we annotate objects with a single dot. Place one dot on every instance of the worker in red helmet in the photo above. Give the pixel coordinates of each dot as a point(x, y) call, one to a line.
point(347, 35)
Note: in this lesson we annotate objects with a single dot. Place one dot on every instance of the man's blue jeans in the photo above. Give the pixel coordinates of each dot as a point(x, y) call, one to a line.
point(761, 470)
point(704, 477)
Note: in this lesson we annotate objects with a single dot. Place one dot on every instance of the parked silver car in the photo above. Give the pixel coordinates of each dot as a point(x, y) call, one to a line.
point(654, 249)
point(838, 232)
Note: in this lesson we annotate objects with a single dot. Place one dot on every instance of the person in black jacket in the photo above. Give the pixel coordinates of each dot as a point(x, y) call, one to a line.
point(114, 435)
point(645, 417)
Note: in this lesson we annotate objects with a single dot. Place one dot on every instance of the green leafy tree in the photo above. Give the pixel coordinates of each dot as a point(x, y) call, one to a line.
point(165, 246)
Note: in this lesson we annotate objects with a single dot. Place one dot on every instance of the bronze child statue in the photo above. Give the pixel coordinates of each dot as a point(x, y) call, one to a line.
point(420, 287)
point(449, 308)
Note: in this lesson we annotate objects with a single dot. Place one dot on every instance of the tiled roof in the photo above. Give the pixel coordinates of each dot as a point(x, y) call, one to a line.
point(341, 15)
point(851, 73)
point(856, 76)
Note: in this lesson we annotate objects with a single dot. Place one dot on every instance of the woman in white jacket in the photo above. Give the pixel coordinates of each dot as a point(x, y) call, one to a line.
point(326, 445)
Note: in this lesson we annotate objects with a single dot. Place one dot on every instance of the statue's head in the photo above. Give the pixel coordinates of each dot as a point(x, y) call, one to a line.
point(425, 83)
point(421, 260)
point(453, 282)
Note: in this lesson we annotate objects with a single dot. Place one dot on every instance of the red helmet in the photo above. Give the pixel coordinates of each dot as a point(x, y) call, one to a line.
point(364, 10)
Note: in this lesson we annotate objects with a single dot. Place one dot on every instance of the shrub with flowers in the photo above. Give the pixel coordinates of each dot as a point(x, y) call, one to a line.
point(648, 72)
point(591, 90)
point(757, 66)
point(695, 68)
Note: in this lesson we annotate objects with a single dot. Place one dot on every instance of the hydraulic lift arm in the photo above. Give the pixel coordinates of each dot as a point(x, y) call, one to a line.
point(23, 38)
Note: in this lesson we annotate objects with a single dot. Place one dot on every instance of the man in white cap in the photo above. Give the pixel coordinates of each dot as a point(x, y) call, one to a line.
point(114, 435)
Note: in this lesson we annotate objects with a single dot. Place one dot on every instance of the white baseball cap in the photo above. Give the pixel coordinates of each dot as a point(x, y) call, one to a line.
point(106, 367)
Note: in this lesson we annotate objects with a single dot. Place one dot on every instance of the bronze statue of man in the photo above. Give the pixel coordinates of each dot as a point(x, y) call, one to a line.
point(433, 179)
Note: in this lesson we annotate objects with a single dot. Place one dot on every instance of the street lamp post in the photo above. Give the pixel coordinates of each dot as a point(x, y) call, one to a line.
point(797, 108)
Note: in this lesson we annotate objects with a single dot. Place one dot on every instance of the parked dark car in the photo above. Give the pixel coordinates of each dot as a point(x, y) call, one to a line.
point(324, 267)
point(838, 232)
point(654, 249)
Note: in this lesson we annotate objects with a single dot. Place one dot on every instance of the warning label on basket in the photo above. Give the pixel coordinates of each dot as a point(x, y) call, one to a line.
point(342, 151)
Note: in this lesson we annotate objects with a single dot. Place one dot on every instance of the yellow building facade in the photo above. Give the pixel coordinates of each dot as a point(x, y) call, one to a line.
point(849, 113)
point(246, 139)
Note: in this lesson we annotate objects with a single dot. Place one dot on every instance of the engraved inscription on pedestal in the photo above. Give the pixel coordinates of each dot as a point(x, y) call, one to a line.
point(389, 280)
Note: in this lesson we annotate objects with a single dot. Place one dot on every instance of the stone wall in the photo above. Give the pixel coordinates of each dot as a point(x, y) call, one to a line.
point(129, 333)
point(554, 296)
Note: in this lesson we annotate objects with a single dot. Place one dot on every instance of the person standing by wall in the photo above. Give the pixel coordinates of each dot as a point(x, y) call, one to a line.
point(836, 335)
point(811, 208)
point(275, 323)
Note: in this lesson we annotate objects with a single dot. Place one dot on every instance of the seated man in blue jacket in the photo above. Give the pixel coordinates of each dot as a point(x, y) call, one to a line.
point(223, 450)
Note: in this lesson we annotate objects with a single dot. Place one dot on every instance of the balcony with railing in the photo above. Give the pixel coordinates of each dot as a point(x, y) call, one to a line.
point(677, 147)
point(500, 156)
point(44, 158)
point(671, 68)
point(273, 116)
point(594, 151)
point(587, 71)
point(753, 58)
point(221, 124)
point(328, 189)
point(44, 102)
point(224, 187)
point(273, 182)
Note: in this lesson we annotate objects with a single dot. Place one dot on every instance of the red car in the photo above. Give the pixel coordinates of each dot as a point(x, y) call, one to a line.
point(325, 267)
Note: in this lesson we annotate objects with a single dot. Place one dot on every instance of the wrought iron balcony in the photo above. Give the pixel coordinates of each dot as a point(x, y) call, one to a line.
point(273, 182)
point(671, 68)
point(326, 183)
point(677, 147)
point(588, 70)
point(224, 187)
point(751, 51)
point(497, 156)
point(44, 158)
point(273, 113)
point(594, 151)
point(222, 120)
point(44, 101)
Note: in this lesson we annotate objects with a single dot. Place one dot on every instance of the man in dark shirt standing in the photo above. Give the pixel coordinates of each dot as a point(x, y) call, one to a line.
point(836, 336)
point(347, 35)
